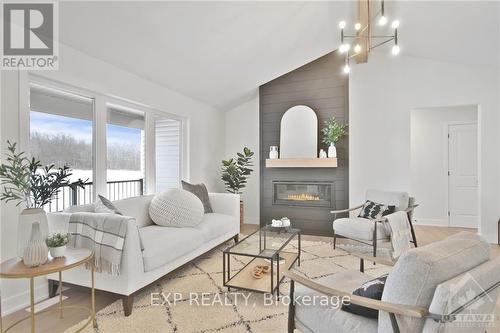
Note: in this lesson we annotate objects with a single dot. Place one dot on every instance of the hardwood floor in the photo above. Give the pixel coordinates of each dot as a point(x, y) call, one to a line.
point(50, 323)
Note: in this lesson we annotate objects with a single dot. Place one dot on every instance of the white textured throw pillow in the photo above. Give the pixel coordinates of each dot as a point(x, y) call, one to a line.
point(176, 208)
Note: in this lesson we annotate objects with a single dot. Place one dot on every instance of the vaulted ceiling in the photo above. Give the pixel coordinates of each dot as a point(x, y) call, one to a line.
point(219, 52)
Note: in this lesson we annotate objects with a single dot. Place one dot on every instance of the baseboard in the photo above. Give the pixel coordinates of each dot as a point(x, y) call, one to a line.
point(431, 222)
point(20, 301)
point(492, 239)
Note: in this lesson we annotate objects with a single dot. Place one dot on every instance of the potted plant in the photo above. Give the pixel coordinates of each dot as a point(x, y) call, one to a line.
point(333, 132)
point(235, 173)
point(25, 180)
point(57, 244)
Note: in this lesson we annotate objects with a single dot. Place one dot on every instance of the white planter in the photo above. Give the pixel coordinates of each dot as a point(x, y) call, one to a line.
point(26, 220)
point(36, 251)
point(332, 151)
point(59, 251)
point(273, 152)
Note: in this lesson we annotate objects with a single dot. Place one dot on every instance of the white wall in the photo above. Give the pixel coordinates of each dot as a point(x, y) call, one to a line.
point(242, 129)
point(428, 160)
point(381, 95)
point(206, 135)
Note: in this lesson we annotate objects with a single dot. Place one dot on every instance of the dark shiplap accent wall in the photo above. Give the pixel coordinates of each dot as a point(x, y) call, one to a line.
point(321, 86)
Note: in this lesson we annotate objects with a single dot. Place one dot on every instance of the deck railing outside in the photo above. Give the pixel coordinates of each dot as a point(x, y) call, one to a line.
point(118, 189)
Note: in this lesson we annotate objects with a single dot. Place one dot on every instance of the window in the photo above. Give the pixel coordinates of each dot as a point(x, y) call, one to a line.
point(121, 148)
point(61, 133)
point(167, 151)
point(125, 153)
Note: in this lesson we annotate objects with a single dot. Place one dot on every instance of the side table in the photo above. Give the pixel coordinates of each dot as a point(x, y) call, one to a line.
point(15, 269)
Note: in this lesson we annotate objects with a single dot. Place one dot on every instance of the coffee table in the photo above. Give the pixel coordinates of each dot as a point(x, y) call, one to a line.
point(264, 246)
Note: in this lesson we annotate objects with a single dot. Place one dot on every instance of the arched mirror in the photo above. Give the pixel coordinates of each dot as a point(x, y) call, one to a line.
point(299, 133)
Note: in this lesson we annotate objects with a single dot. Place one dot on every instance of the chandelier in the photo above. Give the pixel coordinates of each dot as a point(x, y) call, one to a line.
point(364, 38)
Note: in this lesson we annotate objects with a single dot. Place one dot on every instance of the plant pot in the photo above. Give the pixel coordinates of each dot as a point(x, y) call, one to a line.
point(36, 251)
point(26, 219)
point(59, 251)
point(242, 212)
point(332, 151)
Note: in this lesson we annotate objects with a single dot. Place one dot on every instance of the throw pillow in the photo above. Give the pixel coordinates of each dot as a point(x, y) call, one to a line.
point(372, 210)
point(176, 208)
point(200, 190)
point(371, 289)
point(103, 205)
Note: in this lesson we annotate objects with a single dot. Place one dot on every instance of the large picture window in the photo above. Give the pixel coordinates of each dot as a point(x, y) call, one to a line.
point(120, 148)
point(125, 153)
point(61, 134)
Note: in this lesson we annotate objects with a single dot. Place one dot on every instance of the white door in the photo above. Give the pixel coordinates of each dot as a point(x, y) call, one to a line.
point(462, 175)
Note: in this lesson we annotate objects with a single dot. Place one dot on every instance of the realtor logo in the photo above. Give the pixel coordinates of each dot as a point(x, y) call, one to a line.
point(30, 35)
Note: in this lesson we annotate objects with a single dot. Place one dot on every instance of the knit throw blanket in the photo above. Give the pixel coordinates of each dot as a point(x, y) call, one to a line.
point(399, 227)
point(102, 233)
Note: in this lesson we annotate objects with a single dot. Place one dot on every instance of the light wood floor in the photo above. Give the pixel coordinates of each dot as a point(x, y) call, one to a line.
point(50, 323)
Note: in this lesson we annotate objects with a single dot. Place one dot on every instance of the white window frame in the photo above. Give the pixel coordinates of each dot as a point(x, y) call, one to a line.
point(99, 121)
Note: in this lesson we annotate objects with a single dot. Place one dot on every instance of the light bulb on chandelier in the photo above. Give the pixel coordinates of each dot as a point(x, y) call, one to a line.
point(344, 48)
point(357, 26)
point(395, 24)
point(357, 48)
point(382, 20)
point(395, 49)
point(347, 69)
point(342, 24)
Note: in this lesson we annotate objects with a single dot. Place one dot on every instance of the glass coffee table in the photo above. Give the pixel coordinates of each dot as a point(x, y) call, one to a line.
point(266, 246)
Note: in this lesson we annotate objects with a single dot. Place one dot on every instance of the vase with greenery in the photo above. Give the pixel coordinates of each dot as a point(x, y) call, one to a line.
point(26, 181)
point(235, 173)
point(332, 133)
point(57, 244)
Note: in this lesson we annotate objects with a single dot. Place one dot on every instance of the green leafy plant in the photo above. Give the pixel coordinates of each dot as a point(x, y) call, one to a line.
point(57, 239)
point(333, 131)
point(26, 180)
point(235, 172)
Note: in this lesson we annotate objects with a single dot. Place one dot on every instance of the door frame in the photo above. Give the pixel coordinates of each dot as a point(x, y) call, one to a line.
point(447, 164)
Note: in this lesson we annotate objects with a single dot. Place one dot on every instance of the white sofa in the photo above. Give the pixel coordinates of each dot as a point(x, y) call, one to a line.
point(151, 251)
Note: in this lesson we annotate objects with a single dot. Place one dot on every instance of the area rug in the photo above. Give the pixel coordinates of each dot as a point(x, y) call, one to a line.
point(168, 306)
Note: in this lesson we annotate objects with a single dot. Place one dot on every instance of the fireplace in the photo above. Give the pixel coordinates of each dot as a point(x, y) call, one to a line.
point(306, 194)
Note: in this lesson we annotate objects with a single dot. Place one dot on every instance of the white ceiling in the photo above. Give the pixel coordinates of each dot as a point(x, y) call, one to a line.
point(219, 52)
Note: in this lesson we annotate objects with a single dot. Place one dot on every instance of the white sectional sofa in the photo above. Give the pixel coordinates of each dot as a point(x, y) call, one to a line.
point(151, 251)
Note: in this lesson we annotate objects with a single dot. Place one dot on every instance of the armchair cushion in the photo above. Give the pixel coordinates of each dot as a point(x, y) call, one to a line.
point(359, 228)
point(373, 210)
point(319, 318)
point(371, 289)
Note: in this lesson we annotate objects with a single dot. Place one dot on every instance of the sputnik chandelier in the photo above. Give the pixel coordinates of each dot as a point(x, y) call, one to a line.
point(364, 39)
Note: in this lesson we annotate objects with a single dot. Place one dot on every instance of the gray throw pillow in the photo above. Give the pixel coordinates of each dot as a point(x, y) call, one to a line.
point(200, 190)
point(103, 205)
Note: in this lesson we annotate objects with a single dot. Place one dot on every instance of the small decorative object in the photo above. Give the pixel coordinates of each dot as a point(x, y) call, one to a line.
point(322, 153)
point(57, 244)
point(26, 181)
point(259, 271)
point(273, 152)
point(235, 173)
point(285, 222)
point(35, 254)
point(333, 132)
point(276, 223)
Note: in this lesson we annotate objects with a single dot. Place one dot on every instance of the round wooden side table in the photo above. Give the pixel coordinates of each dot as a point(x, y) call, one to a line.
point(15, 269)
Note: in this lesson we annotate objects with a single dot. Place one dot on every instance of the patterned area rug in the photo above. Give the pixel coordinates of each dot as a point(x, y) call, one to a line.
point(203, 305)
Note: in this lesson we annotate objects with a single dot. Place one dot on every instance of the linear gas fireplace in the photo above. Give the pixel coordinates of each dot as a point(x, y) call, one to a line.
point(307, 194)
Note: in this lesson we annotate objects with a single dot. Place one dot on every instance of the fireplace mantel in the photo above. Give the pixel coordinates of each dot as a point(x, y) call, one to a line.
point(301, 163)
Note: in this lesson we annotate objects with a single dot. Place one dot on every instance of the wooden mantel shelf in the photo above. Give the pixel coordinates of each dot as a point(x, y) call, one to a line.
point(301, 163)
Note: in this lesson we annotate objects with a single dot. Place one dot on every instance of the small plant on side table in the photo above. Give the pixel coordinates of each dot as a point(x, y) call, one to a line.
point(57, 244)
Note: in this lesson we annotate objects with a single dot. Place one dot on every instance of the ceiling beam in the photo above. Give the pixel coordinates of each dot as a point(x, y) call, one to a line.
point(363, 18)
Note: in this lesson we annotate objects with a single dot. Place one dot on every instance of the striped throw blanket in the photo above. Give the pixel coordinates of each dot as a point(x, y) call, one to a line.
point(399, 227)
point(102, 233)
